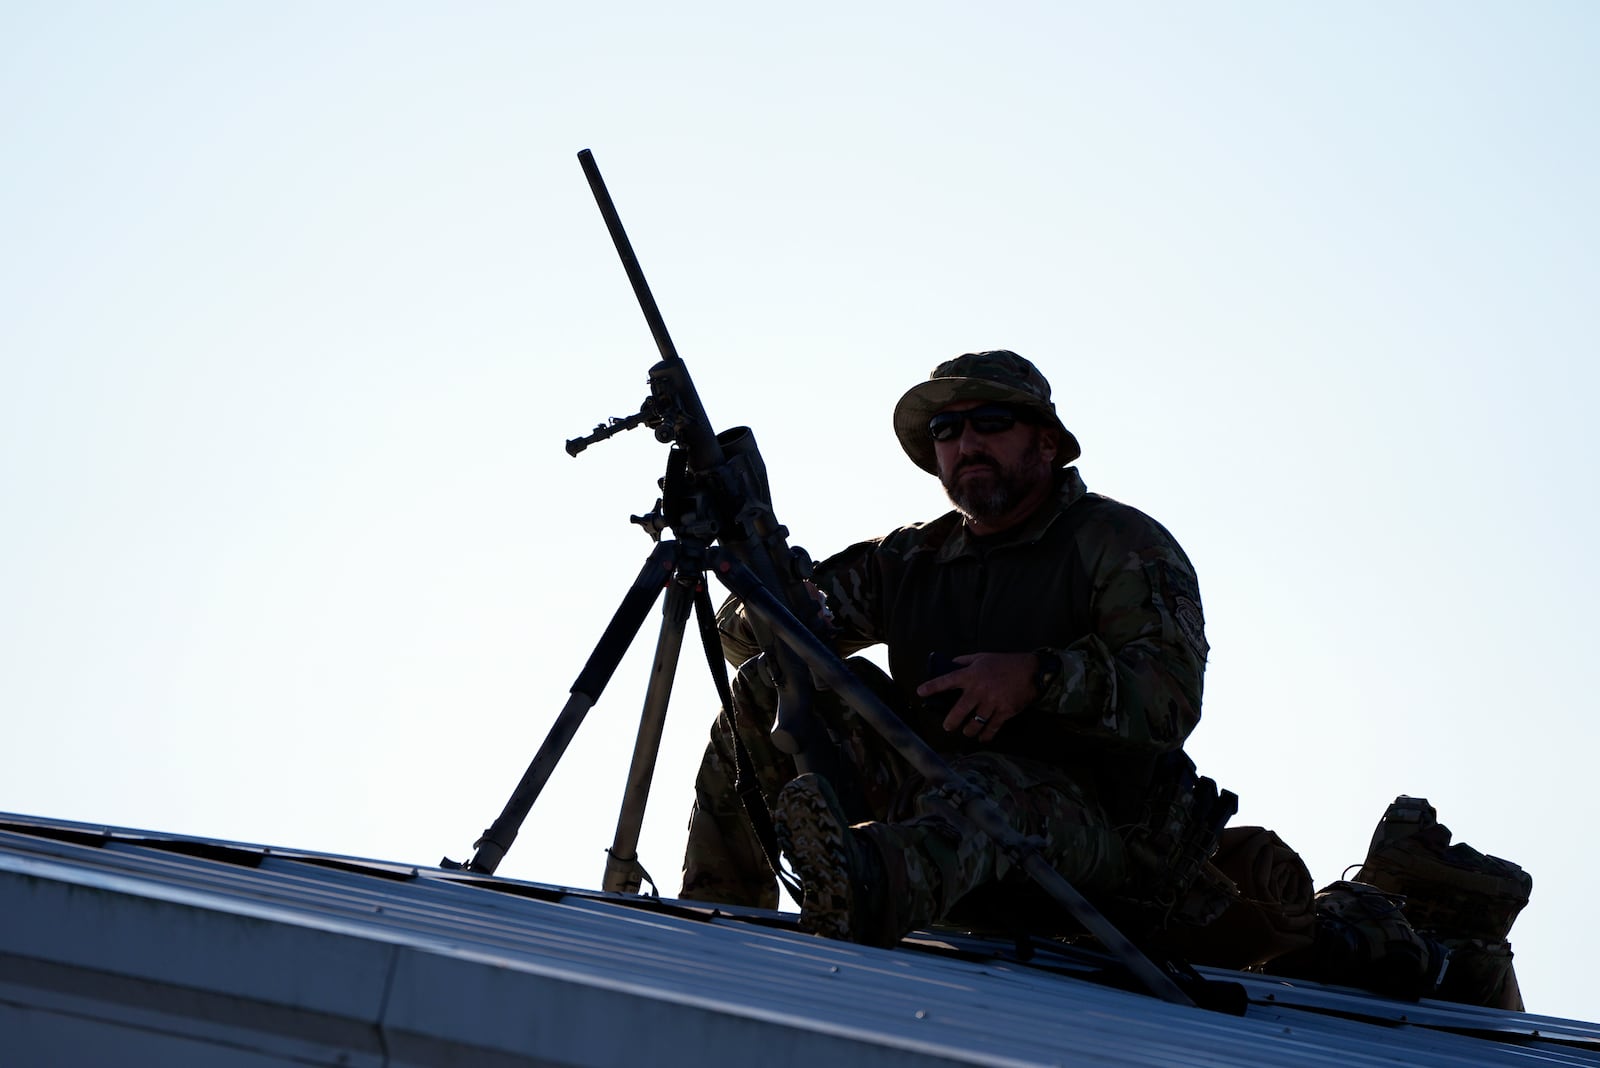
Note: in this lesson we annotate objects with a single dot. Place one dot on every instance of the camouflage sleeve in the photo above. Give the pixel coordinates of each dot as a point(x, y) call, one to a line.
point(849, 581)
point(1136, 679)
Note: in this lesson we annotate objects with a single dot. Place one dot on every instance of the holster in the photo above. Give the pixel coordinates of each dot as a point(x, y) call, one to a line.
point(1183, 816)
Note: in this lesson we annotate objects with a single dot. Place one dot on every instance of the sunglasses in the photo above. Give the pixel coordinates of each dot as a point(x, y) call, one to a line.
point(987, 419)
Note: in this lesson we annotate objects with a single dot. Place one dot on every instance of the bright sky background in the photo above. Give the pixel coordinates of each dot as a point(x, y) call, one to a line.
point(301, 301)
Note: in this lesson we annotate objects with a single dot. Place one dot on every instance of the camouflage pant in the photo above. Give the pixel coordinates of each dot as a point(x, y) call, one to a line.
point(934, 860)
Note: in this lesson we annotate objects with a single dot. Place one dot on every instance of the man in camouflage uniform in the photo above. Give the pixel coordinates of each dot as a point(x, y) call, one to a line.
point(1075, 651)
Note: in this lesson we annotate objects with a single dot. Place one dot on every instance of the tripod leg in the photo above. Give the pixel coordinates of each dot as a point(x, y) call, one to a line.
point(657, 571)
point(979, 811)
point(622, 873)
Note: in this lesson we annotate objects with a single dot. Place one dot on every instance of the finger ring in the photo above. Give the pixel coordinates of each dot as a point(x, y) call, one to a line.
point(980, 720)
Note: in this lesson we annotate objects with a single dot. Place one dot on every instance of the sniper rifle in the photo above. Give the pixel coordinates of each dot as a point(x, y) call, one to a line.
point(716, 501)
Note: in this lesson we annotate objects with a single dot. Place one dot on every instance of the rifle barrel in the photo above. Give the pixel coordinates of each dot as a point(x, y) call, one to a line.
point(630, 262)
point(678, 410)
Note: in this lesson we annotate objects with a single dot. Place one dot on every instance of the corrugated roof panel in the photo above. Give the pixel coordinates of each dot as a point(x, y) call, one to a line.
point(293, 959)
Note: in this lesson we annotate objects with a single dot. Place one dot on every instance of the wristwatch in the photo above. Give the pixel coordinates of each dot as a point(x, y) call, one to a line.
point(1046, 675)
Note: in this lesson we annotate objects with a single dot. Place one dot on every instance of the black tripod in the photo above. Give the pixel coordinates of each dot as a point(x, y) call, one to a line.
point(678, 567)
point(715, 498)
point(715, 491)
point(662, 570)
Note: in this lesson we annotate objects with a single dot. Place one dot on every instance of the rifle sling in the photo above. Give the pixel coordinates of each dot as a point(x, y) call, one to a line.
point(745, 782)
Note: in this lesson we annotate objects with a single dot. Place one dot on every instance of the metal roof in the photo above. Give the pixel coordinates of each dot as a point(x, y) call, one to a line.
point(134, 947)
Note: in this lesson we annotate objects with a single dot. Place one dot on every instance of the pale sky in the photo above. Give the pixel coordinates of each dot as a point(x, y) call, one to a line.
point(302, 300)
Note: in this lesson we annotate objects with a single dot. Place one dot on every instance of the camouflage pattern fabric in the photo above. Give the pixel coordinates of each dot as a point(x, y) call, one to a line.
point(934, 861)
point(930, 859)
point(1099, 591)
point(997, 375)
point(723, 860)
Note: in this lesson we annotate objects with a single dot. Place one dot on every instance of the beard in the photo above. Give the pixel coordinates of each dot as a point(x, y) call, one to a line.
point(999, 489)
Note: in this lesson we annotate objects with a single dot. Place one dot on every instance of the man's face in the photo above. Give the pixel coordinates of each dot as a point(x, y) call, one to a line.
point(995, 479)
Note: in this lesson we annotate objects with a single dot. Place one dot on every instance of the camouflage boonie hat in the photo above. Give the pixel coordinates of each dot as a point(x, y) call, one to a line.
point(997, 375)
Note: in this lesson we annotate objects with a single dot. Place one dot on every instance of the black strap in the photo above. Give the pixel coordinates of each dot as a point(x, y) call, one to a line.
point(745, 782)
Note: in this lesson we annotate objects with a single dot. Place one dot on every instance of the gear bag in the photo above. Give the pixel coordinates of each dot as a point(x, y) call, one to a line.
point(1452, 891)
point(1364, 939)
point(1465, 899)
point(1266, 910)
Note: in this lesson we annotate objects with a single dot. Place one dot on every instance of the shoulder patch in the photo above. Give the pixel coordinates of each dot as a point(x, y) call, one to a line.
point(1191, 624)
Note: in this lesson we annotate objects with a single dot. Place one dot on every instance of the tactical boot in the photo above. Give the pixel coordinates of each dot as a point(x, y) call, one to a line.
point(1451, 891)
point(841, 870)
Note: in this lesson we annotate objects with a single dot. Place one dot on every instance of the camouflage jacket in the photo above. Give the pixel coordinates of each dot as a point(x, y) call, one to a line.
point(1099, 589)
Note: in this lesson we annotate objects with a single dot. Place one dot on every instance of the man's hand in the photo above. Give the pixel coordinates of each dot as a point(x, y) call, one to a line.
point(994, 688)
point(822, 601)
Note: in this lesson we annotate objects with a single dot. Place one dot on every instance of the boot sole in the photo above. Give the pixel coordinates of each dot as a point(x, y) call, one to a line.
point(812, 837)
